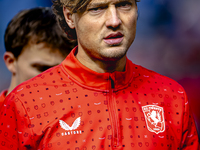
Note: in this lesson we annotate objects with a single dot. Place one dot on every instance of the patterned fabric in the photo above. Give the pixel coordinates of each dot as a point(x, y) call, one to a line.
point(2, 97)
point(70, 107)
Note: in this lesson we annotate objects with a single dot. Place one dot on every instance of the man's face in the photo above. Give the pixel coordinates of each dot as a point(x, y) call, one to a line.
point(34, 59)
point(106, 29)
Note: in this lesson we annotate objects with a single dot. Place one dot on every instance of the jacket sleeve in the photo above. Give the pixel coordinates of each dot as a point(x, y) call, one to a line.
point(190, 139)
point(15, 125)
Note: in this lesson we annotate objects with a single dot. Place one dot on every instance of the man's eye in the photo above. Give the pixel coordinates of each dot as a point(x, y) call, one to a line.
point(124, 5)
point(41, 68)
point(95, 10)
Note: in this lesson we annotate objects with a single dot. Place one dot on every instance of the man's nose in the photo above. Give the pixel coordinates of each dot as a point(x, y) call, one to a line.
point(112, 17)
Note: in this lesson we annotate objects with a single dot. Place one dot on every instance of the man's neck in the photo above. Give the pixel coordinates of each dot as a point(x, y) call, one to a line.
point(13, 84)
point(101, 66)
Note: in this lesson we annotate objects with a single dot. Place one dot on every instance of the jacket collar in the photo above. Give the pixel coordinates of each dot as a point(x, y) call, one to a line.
point(3, 96)
point(91, 79)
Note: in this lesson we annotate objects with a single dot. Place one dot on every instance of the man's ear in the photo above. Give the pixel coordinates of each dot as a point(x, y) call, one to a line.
point(68, 17)
point(10, 62)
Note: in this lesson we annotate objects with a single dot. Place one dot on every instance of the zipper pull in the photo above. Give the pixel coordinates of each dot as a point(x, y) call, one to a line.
point(112, 83)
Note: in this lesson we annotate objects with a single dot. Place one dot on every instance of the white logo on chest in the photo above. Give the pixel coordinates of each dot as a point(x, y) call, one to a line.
point(154, 116)
point(70, 129)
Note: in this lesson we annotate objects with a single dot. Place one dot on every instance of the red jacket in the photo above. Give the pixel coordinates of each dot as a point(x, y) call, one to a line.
point(70, 107)
point(2, 97)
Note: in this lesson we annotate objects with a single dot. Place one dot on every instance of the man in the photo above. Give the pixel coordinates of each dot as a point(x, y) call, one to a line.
point(34, 42)
point(97, 98)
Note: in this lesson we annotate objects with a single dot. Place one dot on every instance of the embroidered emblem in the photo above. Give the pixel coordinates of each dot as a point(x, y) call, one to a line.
point(70, 129)
point(154, 117)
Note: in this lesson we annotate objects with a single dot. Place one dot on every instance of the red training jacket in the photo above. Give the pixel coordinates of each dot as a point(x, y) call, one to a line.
point(70, 107)
point(2, 97)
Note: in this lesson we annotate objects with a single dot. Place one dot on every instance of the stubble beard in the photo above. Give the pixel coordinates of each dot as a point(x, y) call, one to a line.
point(112, 54)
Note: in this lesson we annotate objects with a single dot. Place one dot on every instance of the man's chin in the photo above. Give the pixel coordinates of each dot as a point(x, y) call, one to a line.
point(114, 55)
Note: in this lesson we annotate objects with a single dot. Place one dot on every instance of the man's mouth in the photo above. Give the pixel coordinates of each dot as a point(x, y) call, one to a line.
point(114, 38)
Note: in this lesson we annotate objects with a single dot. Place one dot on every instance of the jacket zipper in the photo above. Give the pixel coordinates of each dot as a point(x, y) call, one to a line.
point(114, 118)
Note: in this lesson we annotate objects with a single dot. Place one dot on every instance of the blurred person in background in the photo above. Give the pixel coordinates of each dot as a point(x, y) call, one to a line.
point(34, 42)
